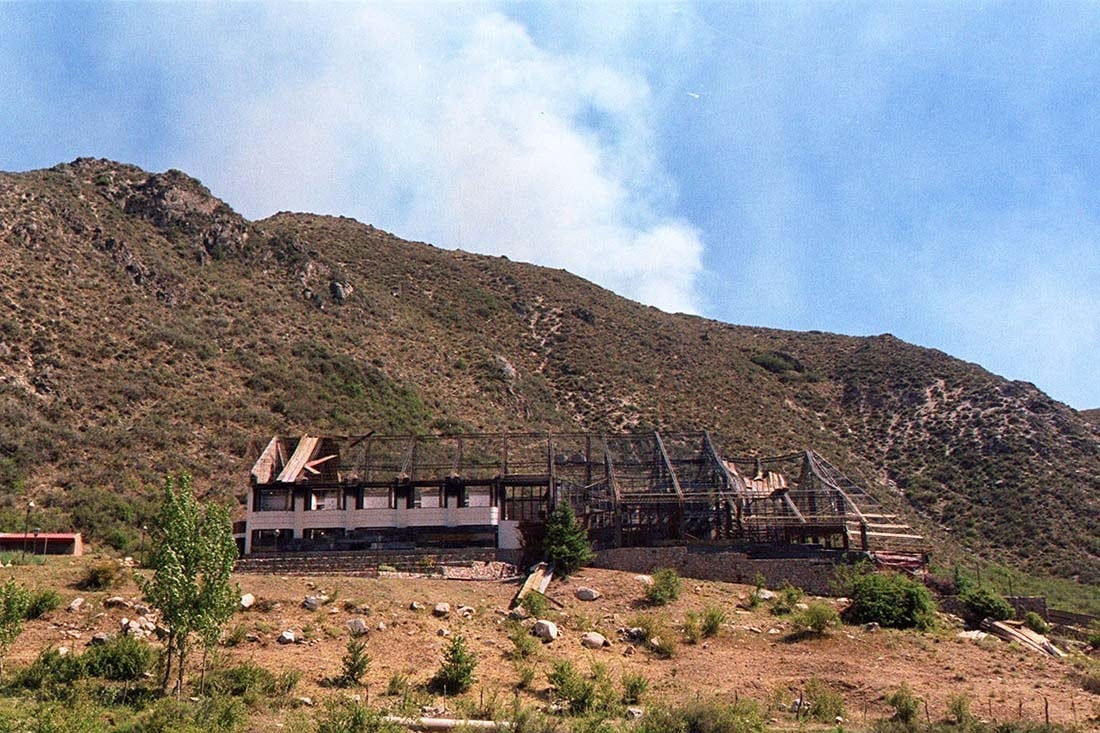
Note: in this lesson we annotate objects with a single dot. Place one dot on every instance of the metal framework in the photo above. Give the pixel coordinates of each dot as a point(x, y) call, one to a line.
point(628, 489)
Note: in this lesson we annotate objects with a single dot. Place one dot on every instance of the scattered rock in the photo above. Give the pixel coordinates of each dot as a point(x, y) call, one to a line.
point(100, 637)
point(629, 650)
point(357, 626)
point(872, 627)
point(466, 611)
point(312, 603)
point(633, 713)
point(253, 637)
point(774, 631)
point(546, 630)
point(444, 633)
point(635, 633)
point(587, 594)
point(117, 602)
point(287, 637)
point(381, 626)
point(755, 629)
point(800, 606)
point(62, 651)
point(76, 605)
point(441, 610)
point(644, 579)
point(306, 701)
point(697, 589)
point(416, 606)
point(764, 594)
point(594, 640)
point(519, 613)
point(974, 635)
point(248, 600)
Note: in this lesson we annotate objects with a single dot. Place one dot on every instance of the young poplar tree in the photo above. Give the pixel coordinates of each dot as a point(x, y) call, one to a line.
point(192, 559)
point(14, 600)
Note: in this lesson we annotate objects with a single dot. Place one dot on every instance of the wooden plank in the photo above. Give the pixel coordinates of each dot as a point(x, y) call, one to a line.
point(264, 468)
point(306, 445)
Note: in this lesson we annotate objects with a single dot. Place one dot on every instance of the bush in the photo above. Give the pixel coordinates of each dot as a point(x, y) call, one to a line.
point(524, 645)
point(634, 686)
point(457, 672)
point(693, 628)
point(355, 663)
point(1036, 623)
point(656, 634)
point(51, 668)
point(789, 597)
point(665, 587)
point(245, 679)
point(906, 705)
point(40, 602)
point(982, 603)
point(821, 702)
point(817, 618)
point(582, 694)
point(713, 618)
point(534, 603)
point(741, 716)
point(100, 576)
point(958, 707)
point(121, 658)
point(348, 716)
point(891, 600)
point(566, 541)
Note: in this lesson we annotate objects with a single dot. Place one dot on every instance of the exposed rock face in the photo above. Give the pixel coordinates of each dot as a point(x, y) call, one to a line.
point(183, 207)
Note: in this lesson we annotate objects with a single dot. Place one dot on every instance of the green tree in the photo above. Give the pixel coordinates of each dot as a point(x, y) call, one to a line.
point(457, 672)
point(14, 600)
point(566, 542)
point(192, 559)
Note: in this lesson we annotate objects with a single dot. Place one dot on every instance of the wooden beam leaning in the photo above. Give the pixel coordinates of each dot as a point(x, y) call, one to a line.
point(306, 445)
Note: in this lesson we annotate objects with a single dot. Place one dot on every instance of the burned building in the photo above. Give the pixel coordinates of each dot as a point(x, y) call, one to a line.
point(314, 493)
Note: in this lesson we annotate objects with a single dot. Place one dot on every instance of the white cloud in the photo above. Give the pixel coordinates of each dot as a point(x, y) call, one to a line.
point(448, 125)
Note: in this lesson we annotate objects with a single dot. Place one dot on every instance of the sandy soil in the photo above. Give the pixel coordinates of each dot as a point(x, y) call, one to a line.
point(755, 655)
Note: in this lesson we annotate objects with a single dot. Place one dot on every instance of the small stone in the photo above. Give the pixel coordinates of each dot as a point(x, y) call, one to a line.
point(629, 650)
point(444, 633)
point(117, 602)
point(764, 594)
point(142, 610)
point(123, 622)
point(381, 626)
point(587, 594)
point(774, 631)
point(287, 637)
point(872, 627)
point(357, 626)
point(546, 630)
point(644, 579)
point(248, 600)
point(312, 603)
point(76, 605)
point(519, 613)
point(594, 640)
point(253, 637)
point(633, 713)
point(100, 637)
point(697, 589)
point(800, 606)
point(466, 611)
point(416, 606)
point(306, 701)
point(441, 610)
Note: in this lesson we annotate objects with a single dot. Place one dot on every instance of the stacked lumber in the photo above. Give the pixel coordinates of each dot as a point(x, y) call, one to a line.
point(1025, 637)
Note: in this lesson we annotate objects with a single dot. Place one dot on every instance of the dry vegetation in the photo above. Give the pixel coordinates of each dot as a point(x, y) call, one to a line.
point(755, 653)
point(147, 328)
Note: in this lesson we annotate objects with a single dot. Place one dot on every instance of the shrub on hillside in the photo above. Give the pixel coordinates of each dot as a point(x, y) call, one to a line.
point(982, 603)
point(122, 658)
point(100, 576)
point(1036, 623)
point(817, 618)
point(40, 602)
point(665, 587)
point(740, 716)
point(457, 671)
point(891, 600)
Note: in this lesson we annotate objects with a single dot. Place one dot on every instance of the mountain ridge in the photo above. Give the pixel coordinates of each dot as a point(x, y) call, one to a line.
point(146, 327)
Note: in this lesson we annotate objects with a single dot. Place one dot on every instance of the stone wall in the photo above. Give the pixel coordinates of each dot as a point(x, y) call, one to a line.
point(812, 573)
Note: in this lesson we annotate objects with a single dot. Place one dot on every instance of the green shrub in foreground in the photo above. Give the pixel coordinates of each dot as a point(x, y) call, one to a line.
point(892, 600)
point(741, 716)
point(122, 658)
point(42, 601)
point(665, 587)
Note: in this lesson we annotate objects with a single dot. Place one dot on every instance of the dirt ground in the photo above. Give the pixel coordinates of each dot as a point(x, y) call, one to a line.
point(756, 654)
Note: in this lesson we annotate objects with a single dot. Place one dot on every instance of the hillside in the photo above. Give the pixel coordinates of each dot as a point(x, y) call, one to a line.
point(145, 327)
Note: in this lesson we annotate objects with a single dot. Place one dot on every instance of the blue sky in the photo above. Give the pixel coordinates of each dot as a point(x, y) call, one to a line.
point(924, 169)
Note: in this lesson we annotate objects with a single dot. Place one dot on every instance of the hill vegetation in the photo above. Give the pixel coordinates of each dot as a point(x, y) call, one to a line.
point(146, 328)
